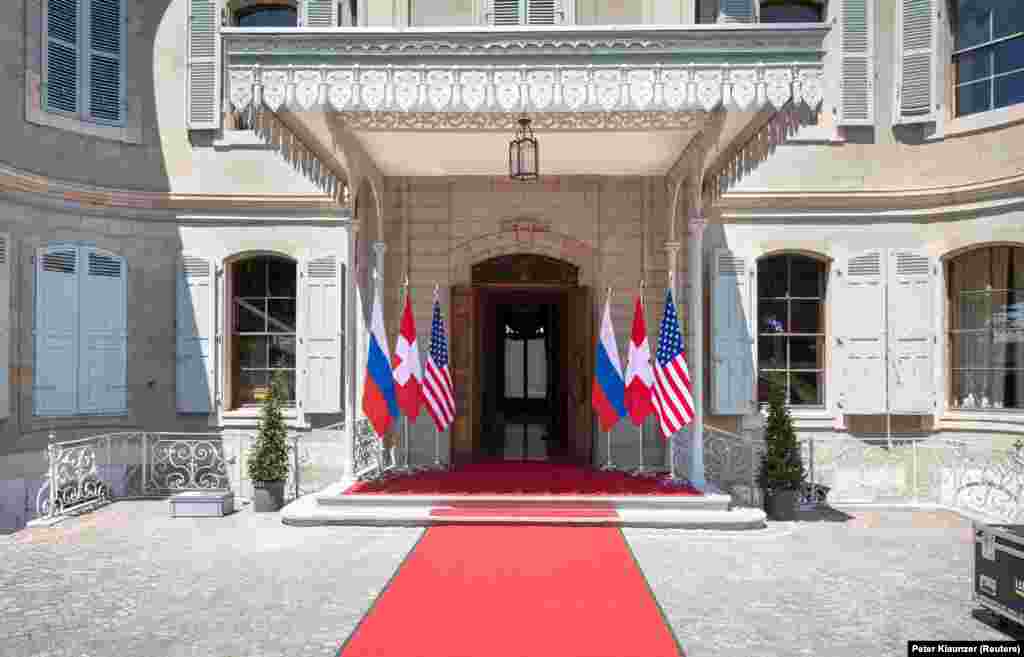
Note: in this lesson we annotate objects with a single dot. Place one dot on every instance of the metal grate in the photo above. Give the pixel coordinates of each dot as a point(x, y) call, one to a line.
point(323, 268)
point(61, 262)
point(911, 264)
point(869, 264)
point(541, 12)
point(730, 265)
point(104, 265)
point(196, 267)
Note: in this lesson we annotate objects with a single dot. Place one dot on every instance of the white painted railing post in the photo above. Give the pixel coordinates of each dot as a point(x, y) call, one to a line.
point(51, 453)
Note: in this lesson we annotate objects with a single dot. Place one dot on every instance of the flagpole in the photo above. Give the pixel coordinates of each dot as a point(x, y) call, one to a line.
point(437, 434)
point(608, 465)
point(405, 418)
point(643, 423)
point(672, 287)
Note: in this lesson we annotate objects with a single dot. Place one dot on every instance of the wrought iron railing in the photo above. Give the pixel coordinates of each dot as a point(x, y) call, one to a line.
point(731, 463)
point(371, 458)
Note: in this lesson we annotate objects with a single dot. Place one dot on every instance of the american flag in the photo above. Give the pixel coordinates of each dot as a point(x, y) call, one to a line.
point(438, 391)
point(673, 395)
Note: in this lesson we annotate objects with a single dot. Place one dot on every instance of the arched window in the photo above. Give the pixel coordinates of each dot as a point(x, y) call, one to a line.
point(791, 328)
point(263, 293)
point(266, 15)
point(791, 11)
point(986, 328)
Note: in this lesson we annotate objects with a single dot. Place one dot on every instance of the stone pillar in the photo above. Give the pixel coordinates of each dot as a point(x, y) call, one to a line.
point(380, 248)
point(673, 280)
point(695, 345)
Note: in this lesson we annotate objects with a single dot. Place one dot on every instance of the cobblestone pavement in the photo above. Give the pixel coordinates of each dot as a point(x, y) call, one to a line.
point(129, 581)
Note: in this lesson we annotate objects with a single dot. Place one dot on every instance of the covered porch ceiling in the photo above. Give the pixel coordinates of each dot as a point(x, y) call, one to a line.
point(603, 101)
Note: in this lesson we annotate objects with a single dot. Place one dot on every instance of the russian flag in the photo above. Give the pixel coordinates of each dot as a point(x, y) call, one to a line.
point(609, 389)
point(379, 402)
point(408, 370)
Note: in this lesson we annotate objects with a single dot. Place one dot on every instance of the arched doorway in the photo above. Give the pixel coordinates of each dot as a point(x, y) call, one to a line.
point(521, 343)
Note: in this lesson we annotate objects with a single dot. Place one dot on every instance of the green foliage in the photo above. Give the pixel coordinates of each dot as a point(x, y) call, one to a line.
point(782, 467)
point(269, 458)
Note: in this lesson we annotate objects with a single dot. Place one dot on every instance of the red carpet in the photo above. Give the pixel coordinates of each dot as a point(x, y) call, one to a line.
point(522, 478)
point(499, 591)
point(518, 511)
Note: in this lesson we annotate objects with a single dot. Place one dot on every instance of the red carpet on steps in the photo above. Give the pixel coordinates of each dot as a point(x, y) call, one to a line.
point(596, 511)
point(522, 478)
point(501, 591)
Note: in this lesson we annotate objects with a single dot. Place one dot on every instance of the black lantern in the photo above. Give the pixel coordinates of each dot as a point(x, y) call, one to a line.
point(523, 153)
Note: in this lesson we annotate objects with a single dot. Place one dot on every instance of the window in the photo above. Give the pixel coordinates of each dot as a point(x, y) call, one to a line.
point(526, 360)
point(80, 354)
point(525, 12)
point(791, 328)
point(986, 328)
point(263, 303)
point(988, 55)
point(440, 13)
point(791, 11)
point(267, 16)
point(83, 60)
point(602, 12)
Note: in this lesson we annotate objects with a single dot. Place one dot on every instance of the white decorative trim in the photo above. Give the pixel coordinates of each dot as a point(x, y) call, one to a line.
point(537, 88)
point(495, 122)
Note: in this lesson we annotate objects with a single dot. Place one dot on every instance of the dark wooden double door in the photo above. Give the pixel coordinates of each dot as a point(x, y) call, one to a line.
point(522, 367)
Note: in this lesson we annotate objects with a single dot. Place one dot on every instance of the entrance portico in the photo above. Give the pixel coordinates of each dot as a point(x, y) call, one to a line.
point(638, 134)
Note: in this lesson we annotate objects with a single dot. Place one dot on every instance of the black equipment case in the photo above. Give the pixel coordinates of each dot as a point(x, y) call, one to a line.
point(998, 569)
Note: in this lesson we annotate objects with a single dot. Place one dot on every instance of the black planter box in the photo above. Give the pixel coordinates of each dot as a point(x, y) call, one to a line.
point(998, 569)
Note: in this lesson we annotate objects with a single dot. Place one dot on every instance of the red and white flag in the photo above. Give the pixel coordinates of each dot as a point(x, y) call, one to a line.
point(639, 375)
point(673, 394)
point(438, 391)
point(407, 369)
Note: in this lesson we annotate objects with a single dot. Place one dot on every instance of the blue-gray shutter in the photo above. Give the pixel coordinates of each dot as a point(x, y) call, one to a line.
point(61, 65)
point(911, 298)
point(103, 333)
point(323, 317)
point(194, 328)
point(105, 48)
point(320, 13)
point(916, 69)
point(733, 326)
point(203, 87)
point(856, 21)
point(5, 325)
point(736, 11)
point(861, 334)
point(505, 12)
point(55, 375)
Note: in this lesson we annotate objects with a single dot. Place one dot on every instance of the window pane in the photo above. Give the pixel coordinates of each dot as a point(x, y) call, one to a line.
point(1008, 19)
point(972, 23)
point(282, 351)
point(1010, 89)
point(771, 277)
point(538, 372)
point(1009, 55)
point(282, 278)
point(253, 387)
point(773, 317)
point(251, 277)
point(805, 389)
point(252, 351)
point(281, 316)
point(973, 65)
point(973, 98)
point(806, 353)
point(971, 350)
point(991, 389)
point(250, 315)
point(289, 378)
point(771, 352)
point(268, 17)
point(805, 278)
point(764, 381)
point(514, 375)
point(792, 12)
point(974, 310)
point(806, 316)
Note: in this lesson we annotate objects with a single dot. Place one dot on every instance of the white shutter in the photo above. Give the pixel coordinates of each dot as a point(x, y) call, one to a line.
point(104, 39)
point(911, 332)
point(103, 333)
point(505, 12)
point(856, 19)
point(195, 317)
point(203, 62)
point(736, 11)
point(542, 12)
point(323, 317)
point(5, 325)
point(732, 328)
point(915, 74)
point(861, 334)
point(320, 13)
point(61, 55)
point(56, 331)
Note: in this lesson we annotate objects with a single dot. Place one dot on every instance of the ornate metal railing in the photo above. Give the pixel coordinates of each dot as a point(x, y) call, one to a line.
point(371, 458)
point(731, 463)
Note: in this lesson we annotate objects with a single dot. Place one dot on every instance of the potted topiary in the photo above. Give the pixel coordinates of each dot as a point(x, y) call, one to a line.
point(782, 470)
point(268, 462)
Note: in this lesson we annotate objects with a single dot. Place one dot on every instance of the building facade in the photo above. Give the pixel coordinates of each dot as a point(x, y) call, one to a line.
point(198, 193)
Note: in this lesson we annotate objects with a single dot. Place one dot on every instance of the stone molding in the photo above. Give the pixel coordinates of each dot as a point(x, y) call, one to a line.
point(513, 239)
point(499, 122)
point(538, 88)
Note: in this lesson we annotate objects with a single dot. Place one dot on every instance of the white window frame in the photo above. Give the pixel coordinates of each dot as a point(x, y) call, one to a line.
point(81, 114)
point(991, 77)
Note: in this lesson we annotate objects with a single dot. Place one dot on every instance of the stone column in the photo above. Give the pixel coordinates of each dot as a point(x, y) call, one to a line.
point(380, 248)
point(673, 280)
point(695, 345)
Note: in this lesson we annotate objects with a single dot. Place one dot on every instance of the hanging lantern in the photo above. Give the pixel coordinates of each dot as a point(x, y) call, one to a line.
point(523, 153)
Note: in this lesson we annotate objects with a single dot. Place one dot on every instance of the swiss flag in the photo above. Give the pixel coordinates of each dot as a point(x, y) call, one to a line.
point(639, 375)
point(407, 369)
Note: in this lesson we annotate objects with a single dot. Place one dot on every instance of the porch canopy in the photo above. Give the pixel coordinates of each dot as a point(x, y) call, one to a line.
point(611, 100)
